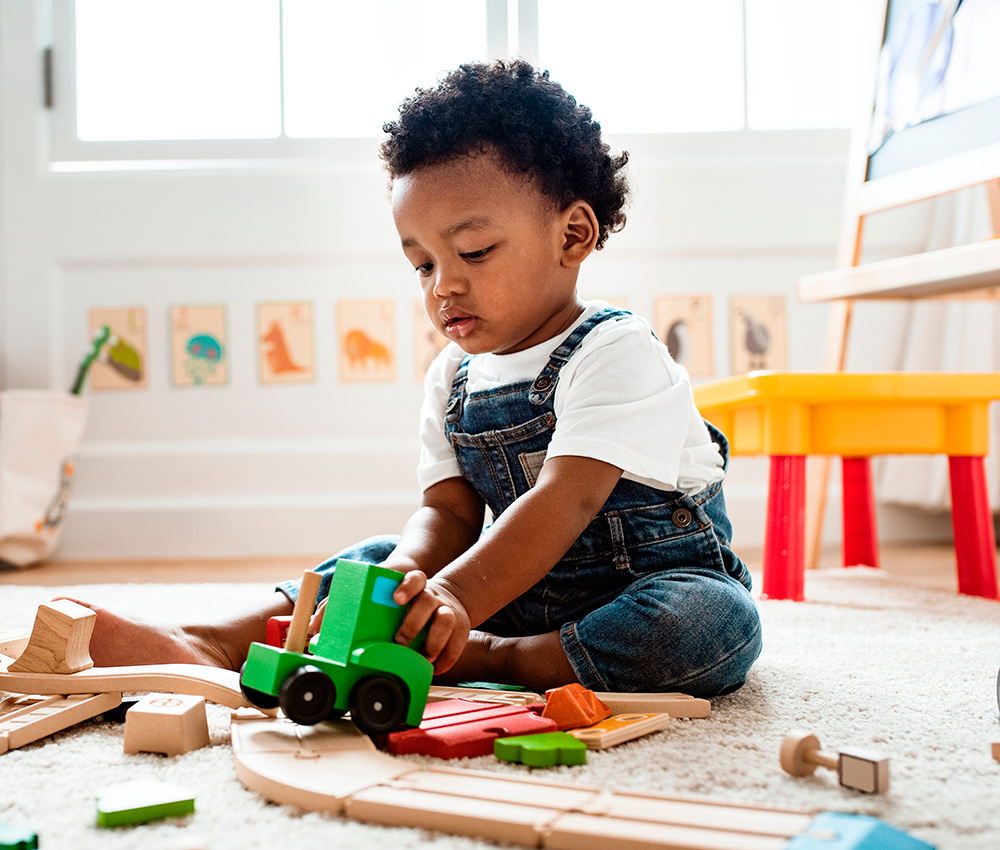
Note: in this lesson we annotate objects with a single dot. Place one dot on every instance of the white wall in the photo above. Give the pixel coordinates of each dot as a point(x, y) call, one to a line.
point(249, 470)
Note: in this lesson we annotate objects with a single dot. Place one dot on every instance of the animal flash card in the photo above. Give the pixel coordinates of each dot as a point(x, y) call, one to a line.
point(285, 343)
point(427, 342)
point(198, 346)
point(366, 331)
point(121, 362)
point(684, 323)
point(757, 333)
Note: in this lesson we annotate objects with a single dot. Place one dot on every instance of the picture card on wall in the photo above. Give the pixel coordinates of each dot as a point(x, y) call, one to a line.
point(199, 345)
point(121, 363)
point(758, 337)
point(684, 324)
point(427, 342)
point(366, 332)
point(285, 349)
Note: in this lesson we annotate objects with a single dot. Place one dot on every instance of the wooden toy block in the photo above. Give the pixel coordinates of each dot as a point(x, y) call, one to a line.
point(59, 641)
point(16, 838)
point(545, 750)
point(26, 719)
point(440, 692)
point(573, 706)
point(170, 724)
point(463, 729)
point(620, 728)
point(862, 770)
point(995, 750)
point(277, 630)
point(140, 801)
point(674, 704)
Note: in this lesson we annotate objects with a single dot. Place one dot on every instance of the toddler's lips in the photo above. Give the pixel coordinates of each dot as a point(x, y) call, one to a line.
point(460, 327)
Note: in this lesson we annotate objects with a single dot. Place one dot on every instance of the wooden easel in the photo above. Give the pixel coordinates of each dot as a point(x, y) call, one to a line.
point(963, 271)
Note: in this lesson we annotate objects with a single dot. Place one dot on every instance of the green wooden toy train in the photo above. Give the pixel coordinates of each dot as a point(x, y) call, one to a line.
point(352, 664)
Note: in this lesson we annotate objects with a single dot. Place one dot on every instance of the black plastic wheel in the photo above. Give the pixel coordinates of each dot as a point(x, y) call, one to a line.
point(255, 697)
point(307, 696)
point(379, 704)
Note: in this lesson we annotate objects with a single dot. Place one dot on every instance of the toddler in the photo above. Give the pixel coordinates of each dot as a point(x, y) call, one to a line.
point(606, 560)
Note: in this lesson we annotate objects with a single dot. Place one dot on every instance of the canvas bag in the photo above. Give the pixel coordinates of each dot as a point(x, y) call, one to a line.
point(40, 434)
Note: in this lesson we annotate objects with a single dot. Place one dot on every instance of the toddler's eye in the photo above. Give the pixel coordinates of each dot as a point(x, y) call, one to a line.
point(476, 256)
point(424, 269)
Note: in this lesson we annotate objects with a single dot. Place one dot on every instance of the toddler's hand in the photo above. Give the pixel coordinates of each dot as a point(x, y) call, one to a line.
point(317, 619)
point(433, 603)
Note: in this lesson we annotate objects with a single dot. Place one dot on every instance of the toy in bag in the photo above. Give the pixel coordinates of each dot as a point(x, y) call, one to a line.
point(40, 433)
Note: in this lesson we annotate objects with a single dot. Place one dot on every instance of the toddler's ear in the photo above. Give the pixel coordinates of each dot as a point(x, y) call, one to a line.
point(580, 233)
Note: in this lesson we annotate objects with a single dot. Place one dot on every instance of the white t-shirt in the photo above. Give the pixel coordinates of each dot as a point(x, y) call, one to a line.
point(621, 399)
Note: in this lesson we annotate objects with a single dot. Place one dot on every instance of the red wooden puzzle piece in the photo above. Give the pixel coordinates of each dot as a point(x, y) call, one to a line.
point(460, 728)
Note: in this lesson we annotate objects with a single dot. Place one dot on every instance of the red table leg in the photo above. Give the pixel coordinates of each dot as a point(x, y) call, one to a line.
point(860, 536)
point(972, 521)
point(784, 534)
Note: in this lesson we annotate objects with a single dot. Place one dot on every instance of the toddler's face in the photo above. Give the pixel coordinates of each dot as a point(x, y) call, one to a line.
point(488, 250)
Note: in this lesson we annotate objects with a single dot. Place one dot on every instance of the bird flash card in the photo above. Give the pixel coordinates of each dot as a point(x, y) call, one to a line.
point(121, 362)
point(757, 333)
point(684, 323)
point(285, 343)
point(427, 342)
point(198, 344)
point(366, 331)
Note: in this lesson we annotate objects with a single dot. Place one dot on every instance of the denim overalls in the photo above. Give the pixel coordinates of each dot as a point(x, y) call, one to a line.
point(650, 597)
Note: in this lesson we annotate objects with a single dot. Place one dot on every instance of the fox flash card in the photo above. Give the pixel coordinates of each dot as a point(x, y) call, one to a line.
point(285, 343)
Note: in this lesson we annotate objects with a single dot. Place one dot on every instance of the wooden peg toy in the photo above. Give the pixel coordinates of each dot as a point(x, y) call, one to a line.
point(862, 770)
point(169, 724)
point(59, 641)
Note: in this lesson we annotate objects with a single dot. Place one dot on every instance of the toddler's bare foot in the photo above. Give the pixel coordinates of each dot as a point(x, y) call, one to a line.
point(120, 640)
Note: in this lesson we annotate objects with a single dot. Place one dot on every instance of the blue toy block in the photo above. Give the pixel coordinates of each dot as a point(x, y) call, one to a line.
point(17, 838)
point(838, 831)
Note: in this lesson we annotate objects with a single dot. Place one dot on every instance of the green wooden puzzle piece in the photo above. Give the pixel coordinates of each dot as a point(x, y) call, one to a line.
point(142, 800)
point(17, 838)
point(543, 750)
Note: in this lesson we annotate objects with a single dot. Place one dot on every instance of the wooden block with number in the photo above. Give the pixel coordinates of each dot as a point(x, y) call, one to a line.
point(619, 729)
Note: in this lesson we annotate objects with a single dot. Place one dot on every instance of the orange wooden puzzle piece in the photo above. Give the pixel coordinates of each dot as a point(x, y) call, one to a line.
point(573, 706)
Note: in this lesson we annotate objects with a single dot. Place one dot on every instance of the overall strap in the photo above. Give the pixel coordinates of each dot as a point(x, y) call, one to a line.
point(454, 410)
point(545, 384)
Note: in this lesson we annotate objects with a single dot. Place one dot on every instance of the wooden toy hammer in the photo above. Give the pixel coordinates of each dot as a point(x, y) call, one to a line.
point(862, 770)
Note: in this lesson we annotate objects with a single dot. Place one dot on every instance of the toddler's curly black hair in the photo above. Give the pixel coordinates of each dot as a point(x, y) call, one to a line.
point(532, 123)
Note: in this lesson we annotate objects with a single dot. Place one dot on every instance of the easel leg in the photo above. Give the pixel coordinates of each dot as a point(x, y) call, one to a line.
point(839, 327)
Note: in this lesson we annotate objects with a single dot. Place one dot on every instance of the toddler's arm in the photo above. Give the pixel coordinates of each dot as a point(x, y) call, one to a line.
point(520, 548)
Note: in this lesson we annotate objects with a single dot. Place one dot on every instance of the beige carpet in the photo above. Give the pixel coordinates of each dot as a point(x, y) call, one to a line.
point(866, 662)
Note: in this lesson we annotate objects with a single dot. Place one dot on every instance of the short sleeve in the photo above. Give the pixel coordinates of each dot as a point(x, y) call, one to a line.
point(437, 457)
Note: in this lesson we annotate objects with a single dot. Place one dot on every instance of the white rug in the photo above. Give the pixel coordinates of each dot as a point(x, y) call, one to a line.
point(866, 662)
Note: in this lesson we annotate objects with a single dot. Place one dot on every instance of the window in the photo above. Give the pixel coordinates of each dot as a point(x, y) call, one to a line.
point(266, 78)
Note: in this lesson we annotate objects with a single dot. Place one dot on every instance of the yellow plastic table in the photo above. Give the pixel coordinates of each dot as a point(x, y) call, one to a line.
point(856, 415)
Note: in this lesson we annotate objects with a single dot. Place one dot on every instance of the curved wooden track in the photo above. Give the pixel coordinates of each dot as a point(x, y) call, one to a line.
point(334, 768)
